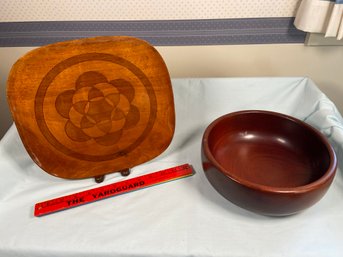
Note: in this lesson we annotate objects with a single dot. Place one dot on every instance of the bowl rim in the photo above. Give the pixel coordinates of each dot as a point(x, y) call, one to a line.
point(326, 177)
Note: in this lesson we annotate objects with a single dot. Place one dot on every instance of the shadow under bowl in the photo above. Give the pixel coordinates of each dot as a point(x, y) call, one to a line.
point(267, 162)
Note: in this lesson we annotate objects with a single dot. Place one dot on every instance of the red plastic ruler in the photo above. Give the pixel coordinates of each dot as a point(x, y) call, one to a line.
point(91, 195)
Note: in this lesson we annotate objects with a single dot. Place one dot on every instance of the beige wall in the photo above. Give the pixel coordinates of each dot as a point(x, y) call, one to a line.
point(8, 56)
point(321, 64)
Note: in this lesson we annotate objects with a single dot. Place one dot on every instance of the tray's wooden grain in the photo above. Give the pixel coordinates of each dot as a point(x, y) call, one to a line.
point(88, 107)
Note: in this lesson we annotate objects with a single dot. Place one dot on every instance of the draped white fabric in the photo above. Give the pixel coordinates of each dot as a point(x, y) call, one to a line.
point(321, 16)
point(185, 217)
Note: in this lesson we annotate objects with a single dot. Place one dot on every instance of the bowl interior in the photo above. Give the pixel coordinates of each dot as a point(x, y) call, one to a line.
point(268, 149)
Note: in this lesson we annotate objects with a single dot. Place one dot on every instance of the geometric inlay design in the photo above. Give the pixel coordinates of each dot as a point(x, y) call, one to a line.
point(95, 108)
point(98, 109)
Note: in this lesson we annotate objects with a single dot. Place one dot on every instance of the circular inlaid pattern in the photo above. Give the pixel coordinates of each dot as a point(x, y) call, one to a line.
point(96, 109)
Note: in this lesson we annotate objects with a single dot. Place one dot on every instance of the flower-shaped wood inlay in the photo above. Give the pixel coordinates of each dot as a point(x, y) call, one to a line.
point(98, 109)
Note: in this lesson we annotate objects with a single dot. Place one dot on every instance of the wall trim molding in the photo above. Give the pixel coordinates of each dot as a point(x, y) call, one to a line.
point(157, 32)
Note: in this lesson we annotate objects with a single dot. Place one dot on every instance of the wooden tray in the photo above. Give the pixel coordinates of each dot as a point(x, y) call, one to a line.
point(88, 107)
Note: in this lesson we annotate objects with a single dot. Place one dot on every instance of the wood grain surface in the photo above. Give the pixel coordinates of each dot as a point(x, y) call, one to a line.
point(88, 107)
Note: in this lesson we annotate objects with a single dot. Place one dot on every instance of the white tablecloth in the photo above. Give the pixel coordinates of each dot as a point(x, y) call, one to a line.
point(186, 217)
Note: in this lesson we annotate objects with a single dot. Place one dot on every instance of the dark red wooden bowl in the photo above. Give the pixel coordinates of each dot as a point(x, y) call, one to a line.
point(267, 162)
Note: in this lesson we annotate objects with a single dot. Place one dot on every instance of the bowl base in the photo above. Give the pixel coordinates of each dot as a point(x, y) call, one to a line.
point(265, 160)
